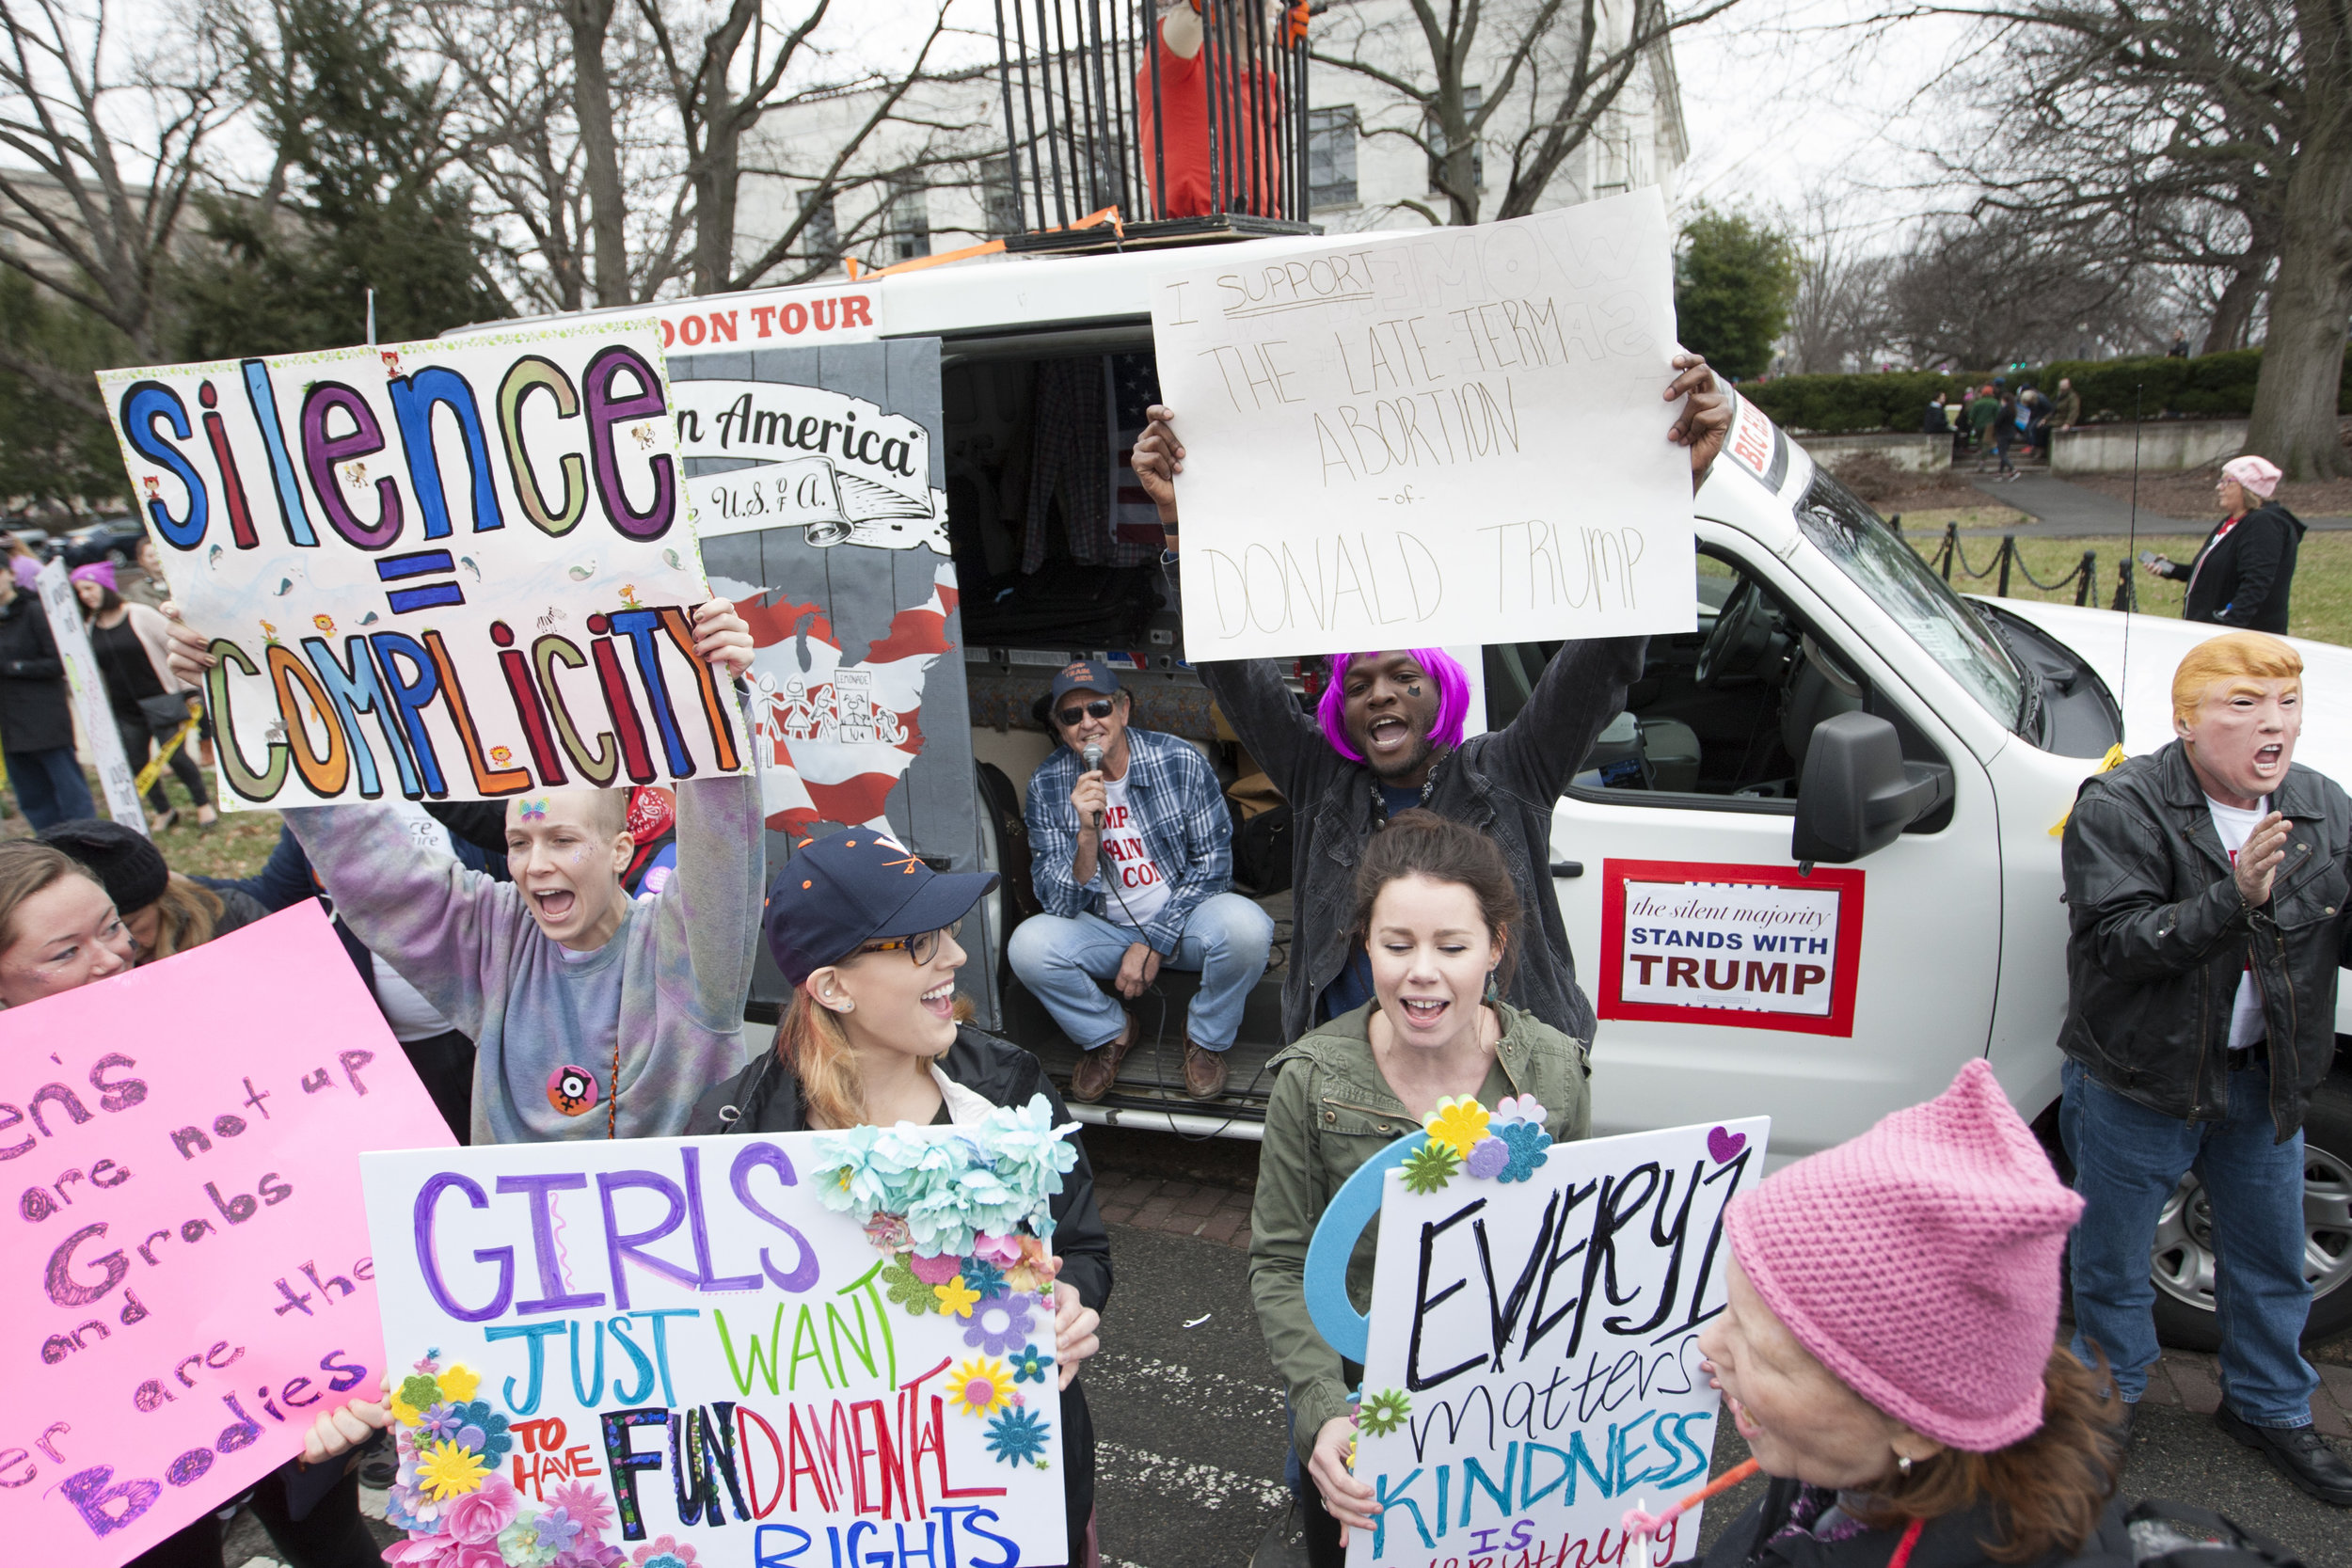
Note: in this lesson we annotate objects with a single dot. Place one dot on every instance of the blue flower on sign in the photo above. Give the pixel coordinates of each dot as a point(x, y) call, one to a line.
point(1527, 1141)
point(485, 1432)
point(1030, 1365)
point(1018, 1437)
point(981, 1276)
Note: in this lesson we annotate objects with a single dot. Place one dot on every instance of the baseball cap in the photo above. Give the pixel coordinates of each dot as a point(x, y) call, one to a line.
point(859, 885)
point(1086, 674)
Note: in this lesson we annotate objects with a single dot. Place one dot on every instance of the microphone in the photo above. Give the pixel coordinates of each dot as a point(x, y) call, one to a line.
point(1092, 757)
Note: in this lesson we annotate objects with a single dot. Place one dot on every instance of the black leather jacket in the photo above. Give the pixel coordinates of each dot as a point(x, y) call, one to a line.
point(2160, 938)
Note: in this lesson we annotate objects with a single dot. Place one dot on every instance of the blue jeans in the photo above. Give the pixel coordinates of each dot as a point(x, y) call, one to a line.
point(1060, 960)
point(49, 786)
point(2127, 1161)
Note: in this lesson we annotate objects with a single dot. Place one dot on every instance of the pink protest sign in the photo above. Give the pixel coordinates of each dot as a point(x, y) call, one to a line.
point(186, 1282)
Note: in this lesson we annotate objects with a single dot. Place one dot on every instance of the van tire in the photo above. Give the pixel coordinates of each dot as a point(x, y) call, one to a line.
point(2328, 1207)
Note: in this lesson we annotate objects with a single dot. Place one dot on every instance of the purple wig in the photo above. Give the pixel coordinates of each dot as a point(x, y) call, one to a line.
point(1454, 690)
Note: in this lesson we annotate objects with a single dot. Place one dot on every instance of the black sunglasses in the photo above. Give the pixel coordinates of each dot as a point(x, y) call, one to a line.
point(1099, 708)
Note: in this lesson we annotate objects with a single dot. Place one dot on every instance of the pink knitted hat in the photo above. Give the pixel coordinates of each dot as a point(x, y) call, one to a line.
point(2258, 474)
point(1919, 1262)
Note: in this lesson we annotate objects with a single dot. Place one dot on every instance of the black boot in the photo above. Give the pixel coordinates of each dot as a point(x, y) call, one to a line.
point(2298, 1453)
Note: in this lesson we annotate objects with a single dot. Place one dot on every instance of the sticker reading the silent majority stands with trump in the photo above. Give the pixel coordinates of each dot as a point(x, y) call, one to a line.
point(1752, 947)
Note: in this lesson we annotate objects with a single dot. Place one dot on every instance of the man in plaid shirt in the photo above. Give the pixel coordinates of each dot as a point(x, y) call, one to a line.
point(1133, 860)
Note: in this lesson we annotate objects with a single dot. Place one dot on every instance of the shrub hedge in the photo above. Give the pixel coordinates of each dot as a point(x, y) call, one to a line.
point(2212, 386)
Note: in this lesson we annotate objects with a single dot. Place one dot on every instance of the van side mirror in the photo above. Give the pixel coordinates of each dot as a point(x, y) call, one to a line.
point(1858, 794)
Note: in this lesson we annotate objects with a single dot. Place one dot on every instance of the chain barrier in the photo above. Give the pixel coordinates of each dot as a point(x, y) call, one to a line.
point(1950, 556)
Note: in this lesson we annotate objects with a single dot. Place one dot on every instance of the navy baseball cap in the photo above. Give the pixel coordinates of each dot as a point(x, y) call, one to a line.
point(835, 894)
point(1086, 674)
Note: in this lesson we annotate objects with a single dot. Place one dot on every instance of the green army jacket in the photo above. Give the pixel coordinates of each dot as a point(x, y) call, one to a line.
point(1332, 1110)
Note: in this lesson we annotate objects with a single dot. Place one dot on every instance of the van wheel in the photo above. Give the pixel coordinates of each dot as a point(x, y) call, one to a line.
point(2182, 1259)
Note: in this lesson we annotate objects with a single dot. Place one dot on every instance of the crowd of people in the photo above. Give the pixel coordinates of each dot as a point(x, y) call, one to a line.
point(575, 964)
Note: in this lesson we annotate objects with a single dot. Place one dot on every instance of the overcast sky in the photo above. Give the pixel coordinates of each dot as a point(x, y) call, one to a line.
point(1792, 98)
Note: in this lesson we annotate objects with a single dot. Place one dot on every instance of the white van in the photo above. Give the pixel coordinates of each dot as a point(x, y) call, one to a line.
point(1908, 894)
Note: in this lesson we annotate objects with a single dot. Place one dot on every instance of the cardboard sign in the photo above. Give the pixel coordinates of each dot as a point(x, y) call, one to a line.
point(461, 569)
point(1450, 437)
point(84, 679)
point(672, 1339)
point(187, 1287)
point(1749, 947)
point(1531, 1361)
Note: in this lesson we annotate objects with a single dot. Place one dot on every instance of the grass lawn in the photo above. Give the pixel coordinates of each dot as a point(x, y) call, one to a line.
point(2321, 607)
point(234, 847)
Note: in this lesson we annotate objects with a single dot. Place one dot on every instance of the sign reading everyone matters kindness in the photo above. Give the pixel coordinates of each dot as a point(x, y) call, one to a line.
point(1450, 437)
point(672, 1343)
point(186, 1283)
point(1531, 1365)
point(460, 569)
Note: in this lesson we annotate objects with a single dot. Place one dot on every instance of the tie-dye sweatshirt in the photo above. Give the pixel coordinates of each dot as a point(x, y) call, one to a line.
point(663, 999)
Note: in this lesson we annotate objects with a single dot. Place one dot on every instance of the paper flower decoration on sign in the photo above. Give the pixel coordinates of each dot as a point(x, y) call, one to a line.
point(451, 1499)
point(1463, 1139)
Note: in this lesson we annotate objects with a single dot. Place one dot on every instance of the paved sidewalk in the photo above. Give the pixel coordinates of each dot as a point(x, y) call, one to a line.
point(1219, 1215)
point(2192, 1381)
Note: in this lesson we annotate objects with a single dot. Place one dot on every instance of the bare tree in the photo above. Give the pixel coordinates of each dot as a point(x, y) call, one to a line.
point(1838, 317)
point(2213, 134)
point(1537, 79)
point(105, 142)
point(1977, 294)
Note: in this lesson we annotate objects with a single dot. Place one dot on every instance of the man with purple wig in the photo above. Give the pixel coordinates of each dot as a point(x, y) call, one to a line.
point(1388, 736)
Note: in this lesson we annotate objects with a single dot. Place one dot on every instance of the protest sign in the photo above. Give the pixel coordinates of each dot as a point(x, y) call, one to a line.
point(1451, 437)
point(1531, 1360)
point(89, 686)
point(461, 569)
point(830, 464)
point(187, 1284)
point(794, 1349)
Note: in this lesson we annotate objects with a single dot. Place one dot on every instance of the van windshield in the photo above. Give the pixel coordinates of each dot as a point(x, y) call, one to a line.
point(1891, 571)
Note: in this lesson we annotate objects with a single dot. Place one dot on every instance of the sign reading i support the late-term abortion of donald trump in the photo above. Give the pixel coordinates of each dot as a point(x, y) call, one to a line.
point(1451, 437)
point(461, 569)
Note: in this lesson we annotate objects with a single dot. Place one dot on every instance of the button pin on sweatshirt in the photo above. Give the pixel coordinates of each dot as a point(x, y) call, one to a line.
point(572, 1091)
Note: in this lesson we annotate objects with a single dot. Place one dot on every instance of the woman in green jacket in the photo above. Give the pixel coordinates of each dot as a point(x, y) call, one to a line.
point(1436, 911)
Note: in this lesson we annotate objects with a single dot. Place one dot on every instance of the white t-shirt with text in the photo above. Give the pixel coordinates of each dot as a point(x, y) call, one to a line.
point(2246, 1019)
point(1135, 887)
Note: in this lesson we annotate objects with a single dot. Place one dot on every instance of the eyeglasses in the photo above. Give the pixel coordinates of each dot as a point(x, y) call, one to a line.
point(1099, 708)
point(922, 947)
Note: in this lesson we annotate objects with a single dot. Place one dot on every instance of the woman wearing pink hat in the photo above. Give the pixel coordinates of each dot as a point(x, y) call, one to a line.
point(2242, 574)
point(1888, 1353)
point(133, 647)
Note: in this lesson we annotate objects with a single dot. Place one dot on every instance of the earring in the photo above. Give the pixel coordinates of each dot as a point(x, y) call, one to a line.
point(1903, 1462)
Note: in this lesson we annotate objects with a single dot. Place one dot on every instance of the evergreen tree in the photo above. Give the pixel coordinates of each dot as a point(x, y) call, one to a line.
point(1734, 285)
point(54, 444)
point(360, 197)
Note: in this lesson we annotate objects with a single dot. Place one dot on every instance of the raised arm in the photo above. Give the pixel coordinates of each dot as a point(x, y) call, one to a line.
point(448, 930)
point(710, 911)
point(1579, 691)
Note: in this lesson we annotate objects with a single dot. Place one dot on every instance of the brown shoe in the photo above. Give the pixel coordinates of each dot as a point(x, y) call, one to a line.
point(1204, 1072)
point(1098, 1069)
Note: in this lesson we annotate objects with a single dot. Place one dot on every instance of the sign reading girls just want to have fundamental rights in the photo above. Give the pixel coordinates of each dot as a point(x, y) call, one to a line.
point(1451, 437)
point(459, 569)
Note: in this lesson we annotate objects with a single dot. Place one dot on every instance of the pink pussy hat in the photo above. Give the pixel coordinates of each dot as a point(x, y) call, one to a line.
point(1919, 1262)
point(2258, 474)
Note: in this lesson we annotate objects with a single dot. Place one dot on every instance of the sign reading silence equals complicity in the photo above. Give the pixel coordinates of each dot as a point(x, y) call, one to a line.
point(461, 569)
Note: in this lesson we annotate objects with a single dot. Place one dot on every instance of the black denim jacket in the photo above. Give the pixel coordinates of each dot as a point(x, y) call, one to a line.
point(2160, 938)
point(1504, 784)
